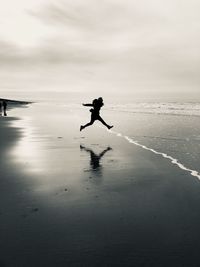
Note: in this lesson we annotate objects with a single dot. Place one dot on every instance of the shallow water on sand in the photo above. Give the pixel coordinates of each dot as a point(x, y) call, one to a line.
point(176, 135)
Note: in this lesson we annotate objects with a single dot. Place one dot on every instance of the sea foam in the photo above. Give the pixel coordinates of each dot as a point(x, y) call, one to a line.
point(164, 155)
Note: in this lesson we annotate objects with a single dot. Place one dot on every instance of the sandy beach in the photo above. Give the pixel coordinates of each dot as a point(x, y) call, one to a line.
point(72, 196)
point(92, 198)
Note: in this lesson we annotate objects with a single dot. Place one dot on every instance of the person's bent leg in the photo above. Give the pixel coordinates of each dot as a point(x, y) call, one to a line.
point(104, 123)
point(86, 125)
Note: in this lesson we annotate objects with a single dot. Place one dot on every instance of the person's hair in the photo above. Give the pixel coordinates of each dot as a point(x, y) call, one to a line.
point(94, 101)
point(100, 99)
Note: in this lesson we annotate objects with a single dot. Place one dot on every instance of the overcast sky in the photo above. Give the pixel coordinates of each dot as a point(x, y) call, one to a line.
point(147, 45)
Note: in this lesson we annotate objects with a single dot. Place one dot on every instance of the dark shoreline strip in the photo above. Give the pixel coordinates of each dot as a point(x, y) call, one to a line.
point(16, 102)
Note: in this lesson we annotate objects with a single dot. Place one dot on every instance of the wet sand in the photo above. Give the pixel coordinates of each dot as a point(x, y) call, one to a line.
point(90, 198)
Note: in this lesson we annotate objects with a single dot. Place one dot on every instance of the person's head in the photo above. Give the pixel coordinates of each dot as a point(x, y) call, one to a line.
point(100, 99)
point(94, 101)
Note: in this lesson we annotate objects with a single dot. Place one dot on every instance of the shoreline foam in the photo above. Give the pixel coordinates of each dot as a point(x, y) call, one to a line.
point(164, 155)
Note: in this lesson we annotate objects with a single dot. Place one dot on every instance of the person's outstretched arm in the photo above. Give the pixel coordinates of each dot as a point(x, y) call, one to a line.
point(88, 105)
point(104, 151)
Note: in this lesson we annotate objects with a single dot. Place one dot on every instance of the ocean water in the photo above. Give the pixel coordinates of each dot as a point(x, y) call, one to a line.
point(167, 128)
point(168, 108)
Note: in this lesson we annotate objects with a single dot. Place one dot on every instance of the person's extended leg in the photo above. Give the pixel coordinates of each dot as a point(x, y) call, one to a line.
point(104, 123)
point(86, 125)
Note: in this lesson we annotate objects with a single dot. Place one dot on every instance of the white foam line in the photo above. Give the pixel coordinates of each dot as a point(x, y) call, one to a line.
point(164, 155)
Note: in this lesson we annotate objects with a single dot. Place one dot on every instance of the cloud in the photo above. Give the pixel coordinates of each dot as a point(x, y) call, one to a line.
point(97, 20)
point(119, 27)
point(120, 41)
point(9, 53)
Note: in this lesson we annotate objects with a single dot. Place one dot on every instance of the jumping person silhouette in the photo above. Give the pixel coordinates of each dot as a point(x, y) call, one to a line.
point(97, 104)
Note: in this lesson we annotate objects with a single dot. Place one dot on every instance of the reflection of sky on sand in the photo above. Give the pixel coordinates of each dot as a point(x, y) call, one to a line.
point(48, 152)
point(26, 150)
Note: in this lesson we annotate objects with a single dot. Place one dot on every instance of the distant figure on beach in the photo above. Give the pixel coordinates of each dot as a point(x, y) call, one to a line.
point(4, 107)
point(97, 104)
point(0, 108)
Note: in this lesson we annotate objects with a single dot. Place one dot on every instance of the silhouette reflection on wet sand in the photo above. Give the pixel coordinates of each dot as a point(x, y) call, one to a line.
point(95, 165)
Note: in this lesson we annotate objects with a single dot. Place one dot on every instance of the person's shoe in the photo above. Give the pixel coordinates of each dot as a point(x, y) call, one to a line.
point(81, 128)
point(109, 127)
